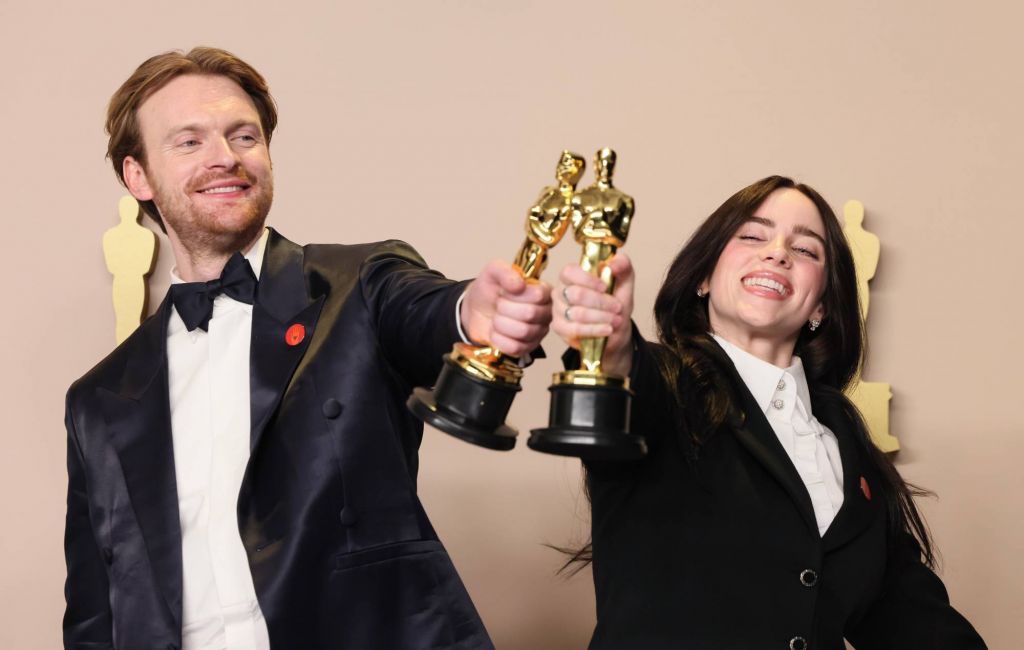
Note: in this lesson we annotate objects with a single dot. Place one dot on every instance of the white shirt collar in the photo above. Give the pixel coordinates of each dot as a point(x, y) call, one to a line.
point(763, 379)
point(254, 256)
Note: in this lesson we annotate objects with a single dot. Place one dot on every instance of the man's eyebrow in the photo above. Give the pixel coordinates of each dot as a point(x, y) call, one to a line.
point(196, 127)
point(241, 123)
point(799, 229)
point(183, 129)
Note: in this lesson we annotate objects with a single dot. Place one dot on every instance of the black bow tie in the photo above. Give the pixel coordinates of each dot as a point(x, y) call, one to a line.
point(194, 300)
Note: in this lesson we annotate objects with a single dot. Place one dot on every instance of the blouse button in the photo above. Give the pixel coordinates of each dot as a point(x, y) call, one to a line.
point(782, 385)
point(808, 577)
point(778, 404)
point(798, 643)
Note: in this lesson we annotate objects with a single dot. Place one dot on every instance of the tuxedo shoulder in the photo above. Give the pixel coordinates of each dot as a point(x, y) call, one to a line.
point(359, 254)
point(340, 264)
point(144, 342)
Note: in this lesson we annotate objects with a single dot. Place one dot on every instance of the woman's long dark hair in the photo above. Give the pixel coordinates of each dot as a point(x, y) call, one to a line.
point(832, 355)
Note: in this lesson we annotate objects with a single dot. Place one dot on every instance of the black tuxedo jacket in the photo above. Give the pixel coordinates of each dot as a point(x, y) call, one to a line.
point(722, 551)
point(341, 552)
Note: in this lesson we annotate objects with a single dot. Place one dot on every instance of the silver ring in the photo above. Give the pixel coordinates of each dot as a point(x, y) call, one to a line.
point(567, 316)
point(565, 295)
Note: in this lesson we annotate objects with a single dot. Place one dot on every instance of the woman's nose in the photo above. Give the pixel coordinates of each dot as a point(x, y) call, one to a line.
point(775, 251)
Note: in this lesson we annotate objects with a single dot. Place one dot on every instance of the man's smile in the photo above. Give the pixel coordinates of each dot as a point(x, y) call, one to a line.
point(226, 186)
point(223, 190)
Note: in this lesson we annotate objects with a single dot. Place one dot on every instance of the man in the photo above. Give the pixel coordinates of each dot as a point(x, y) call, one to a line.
point(242, 468)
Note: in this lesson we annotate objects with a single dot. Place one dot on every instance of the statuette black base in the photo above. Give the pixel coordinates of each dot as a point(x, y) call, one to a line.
point(467, 407)
point(589, 422)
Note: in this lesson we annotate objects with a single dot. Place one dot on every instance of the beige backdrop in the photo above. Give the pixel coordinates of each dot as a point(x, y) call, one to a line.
point(438, 122)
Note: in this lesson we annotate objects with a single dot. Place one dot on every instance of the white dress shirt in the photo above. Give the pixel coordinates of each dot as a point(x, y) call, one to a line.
point(783, 396)
point(208, 375)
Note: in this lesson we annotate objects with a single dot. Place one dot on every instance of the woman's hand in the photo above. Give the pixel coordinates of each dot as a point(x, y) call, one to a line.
point(582, 309)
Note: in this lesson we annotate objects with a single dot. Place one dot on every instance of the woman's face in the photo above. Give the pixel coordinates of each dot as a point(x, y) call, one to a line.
point(768, 281)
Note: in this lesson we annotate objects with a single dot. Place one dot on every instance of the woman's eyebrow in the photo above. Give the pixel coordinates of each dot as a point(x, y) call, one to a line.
point(804, 230)
point(800, 230)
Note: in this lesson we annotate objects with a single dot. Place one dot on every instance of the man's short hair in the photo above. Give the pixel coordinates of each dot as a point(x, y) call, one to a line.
point(155, 73)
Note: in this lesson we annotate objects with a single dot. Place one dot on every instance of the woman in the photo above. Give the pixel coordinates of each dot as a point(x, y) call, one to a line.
point(762, 516)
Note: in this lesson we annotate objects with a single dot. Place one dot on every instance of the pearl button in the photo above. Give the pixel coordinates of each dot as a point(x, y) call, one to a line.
point(778, 404)
point(782, 385)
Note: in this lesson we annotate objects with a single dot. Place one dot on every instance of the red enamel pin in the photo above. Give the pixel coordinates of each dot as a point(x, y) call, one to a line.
point(865, 488)
point(297, 332)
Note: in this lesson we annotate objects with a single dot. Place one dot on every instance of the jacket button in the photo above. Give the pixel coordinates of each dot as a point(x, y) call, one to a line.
point(332, 408)
point(348, 516)
point(798, 643)
point(808, 577)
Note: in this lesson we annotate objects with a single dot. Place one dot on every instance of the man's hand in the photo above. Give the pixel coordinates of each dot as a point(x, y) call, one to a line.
point(506, 312)
point(582, 309)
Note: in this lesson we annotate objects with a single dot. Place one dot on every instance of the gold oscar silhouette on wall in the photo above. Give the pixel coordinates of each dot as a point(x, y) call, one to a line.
point(871, 397)
point(130, 251)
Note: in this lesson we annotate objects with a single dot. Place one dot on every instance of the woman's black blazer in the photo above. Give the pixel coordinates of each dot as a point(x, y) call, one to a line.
point(719, 550)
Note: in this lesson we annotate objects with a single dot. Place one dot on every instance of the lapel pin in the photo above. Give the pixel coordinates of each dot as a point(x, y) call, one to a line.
point(865, 488)
point(297, 332)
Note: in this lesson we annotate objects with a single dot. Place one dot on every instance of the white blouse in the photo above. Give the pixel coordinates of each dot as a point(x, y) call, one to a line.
point(814, 450)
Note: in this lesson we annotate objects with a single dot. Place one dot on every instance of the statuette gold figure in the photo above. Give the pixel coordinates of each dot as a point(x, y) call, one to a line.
point(870, 397)
point(601, 218)
point(548, 218)
point(130, 252)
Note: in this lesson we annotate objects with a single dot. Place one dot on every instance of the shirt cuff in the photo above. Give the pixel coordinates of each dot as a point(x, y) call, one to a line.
point(458, 320)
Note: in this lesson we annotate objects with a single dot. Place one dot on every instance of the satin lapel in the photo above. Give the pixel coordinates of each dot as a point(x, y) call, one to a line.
point(138, 415)
point(760, 440)
point(758, 437)
point(857, 510)
point(282, 304)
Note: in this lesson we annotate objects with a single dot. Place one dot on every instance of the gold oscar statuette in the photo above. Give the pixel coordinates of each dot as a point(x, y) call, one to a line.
point(477, 384)
point(870, 397)
point(129, 250)
point(589, 415)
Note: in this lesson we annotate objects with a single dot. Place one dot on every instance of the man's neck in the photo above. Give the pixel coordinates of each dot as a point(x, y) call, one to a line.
point(196, 264)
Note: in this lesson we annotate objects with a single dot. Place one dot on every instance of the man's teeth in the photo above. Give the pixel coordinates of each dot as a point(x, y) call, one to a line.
point(223, 190)
point(766, 283)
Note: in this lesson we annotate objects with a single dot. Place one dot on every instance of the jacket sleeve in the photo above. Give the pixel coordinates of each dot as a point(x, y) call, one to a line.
point(913, 610)
point(652, 413)
point(413, 308)
point(650, 408)
point(87, 619)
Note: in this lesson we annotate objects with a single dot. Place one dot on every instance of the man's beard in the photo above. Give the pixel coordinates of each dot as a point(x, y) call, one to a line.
point(205, 232)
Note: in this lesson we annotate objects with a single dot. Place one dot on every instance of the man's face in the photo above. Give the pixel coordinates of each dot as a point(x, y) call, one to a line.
point(207, 164)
